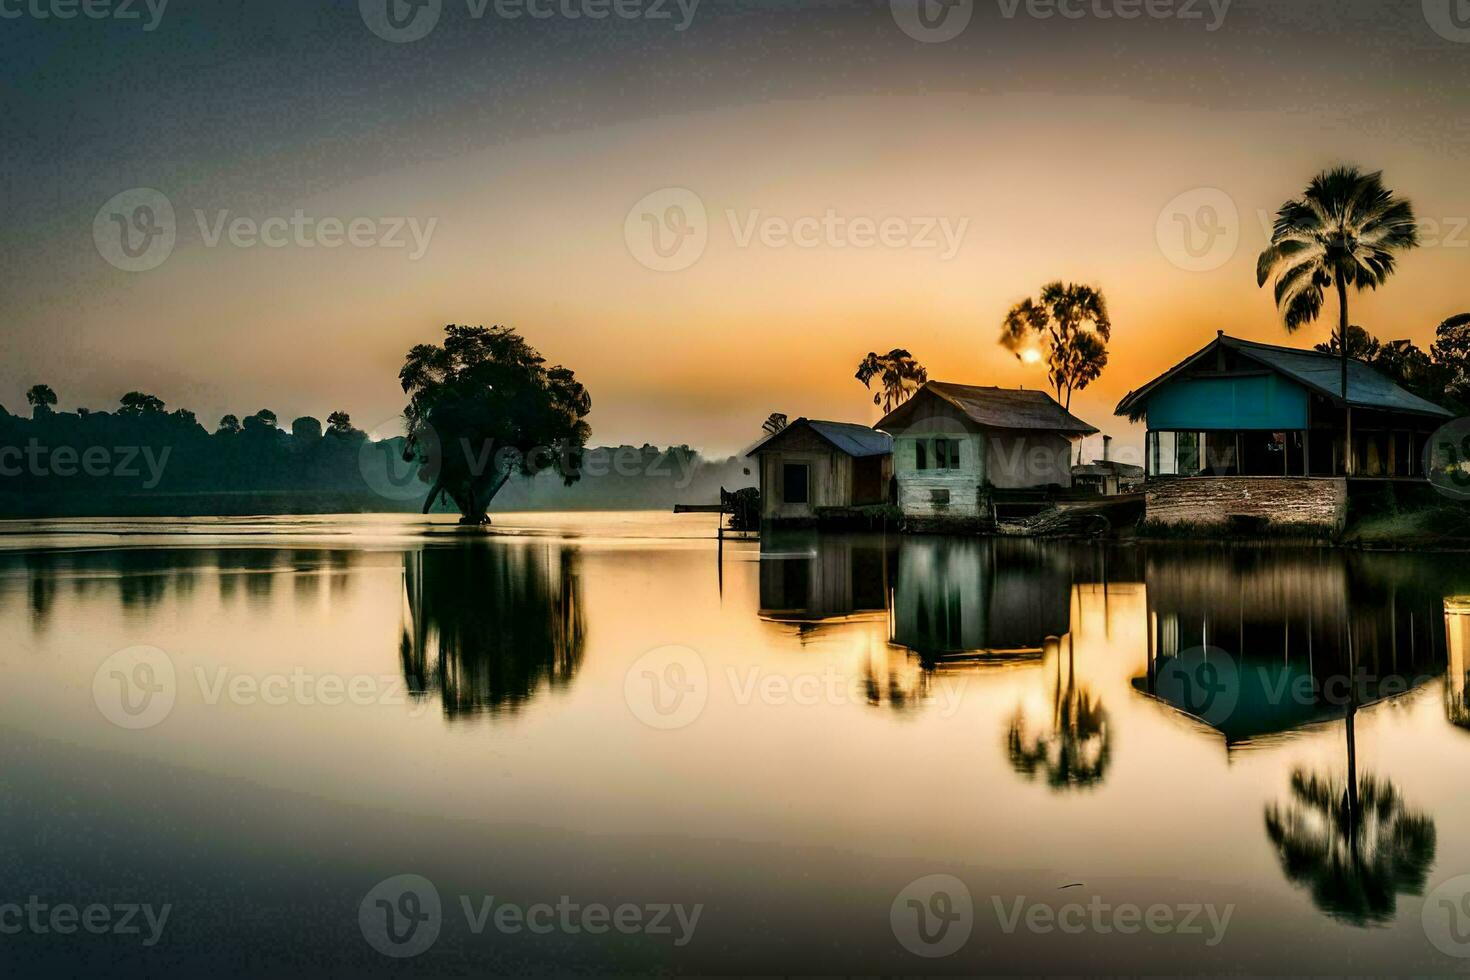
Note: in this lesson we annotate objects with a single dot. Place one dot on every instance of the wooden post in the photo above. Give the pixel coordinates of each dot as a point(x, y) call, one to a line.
point(1347, 466)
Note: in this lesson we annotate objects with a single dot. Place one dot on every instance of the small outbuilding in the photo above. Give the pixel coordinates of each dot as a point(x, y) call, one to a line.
point(812, 466)
point(955, 445)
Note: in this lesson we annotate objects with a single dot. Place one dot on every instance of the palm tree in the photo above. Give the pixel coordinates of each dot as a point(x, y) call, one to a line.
point(1072, 326)
point(898, 374)
point(1343, 231)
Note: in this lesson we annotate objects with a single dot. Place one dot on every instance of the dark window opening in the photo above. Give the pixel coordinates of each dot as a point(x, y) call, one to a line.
point(794, 488)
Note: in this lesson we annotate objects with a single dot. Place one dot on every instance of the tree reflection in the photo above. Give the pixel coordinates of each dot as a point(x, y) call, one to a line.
point(1353, 842)
point(488, 626)
point(1074, 751)
point(1355, 845)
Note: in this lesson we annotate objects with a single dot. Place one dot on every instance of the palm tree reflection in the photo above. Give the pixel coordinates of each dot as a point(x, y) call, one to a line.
point(1074, 750)
point(1353, 842)
point(488, 626)
point(1356, 845)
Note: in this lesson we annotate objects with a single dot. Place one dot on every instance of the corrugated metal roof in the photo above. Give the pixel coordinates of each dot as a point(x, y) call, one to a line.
point(856, 440)
point(1367, 388)
point(853, 439)
point(1010, 408)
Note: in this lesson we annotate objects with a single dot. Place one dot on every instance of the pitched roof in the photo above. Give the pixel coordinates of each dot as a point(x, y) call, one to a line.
point(1001, 408)
point(856, 440)
point(1367, 387)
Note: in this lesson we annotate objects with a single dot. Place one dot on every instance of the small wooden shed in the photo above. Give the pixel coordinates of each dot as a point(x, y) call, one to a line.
point(812, 465)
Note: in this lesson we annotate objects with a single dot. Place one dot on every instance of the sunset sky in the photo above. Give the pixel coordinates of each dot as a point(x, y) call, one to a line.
point(1062, 147)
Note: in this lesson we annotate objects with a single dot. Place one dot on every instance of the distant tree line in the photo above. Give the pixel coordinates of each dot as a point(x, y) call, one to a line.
point(142, 459)
point(1440, 375)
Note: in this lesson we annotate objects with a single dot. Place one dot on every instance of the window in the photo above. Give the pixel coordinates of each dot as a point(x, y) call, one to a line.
point(921, 455)
point(794, 488)
point(946, 454)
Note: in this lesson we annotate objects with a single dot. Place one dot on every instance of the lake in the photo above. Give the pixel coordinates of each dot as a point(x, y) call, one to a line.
point(610, 743)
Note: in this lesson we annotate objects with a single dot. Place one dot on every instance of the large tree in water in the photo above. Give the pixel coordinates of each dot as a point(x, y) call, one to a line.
point(482, 406)
point(1345, 230)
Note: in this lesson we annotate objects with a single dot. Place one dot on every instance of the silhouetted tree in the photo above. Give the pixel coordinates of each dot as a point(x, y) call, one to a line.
point(1068, 328)
point(898, 376)
point(136, 403)
point(41, 399)
point(264, 419)
point(484, 406)
point(1451, 351)
point(229, 424)
point(306, 427)
point(339, 423)
point(1345, 230)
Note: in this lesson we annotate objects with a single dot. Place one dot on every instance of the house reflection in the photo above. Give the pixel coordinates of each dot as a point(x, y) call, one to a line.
point(1457, 676)
point(1258, 642)
point(811, 580)
point(488, 625)
point(979, 599)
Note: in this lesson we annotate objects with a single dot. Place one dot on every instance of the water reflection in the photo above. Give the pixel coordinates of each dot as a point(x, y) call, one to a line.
point(1073, 747)
point(1257, 643)
point(1457, 676)
point(487, 626)
point(141, 579)
point(812, 580)
point(1352, 842)
point(983, 599)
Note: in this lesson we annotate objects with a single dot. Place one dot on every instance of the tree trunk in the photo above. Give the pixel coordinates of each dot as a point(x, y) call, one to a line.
point(480, 496)
point(1342, 343)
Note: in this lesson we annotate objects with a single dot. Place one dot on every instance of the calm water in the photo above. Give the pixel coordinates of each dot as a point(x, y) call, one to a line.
point(256, 723)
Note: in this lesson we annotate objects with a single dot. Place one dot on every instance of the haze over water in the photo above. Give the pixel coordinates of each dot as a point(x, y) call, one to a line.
point(359, 698)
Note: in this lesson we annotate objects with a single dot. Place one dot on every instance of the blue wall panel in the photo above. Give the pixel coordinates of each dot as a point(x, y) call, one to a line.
point(1268, 402)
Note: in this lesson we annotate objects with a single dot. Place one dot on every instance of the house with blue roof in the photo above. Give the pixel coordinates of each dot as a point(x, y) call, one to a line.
point(1264, 434)
point(812, 467)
